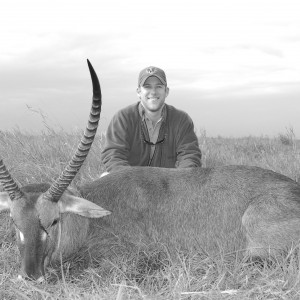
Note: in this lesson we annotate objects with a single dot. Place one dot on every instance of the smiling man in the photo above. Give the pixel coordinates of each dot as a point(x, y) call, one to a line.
point(150, 132)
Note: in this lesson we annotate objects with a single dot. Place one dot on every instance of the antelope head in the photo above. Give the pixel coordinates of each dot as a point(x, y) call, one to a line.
point(36, 215)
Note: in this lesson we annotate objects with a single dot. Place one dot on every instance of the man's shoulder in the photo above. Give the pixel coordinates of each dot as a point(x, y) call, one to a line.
point(174, 112)
point(128, 110)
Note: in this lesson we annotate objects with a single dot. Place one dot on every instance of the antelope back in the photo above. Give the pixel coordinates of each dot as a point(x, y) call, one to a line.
point(230, 208)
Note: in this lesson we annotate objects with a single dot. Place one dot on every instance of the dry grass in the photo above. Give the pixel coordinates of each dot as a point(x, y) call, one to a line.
point(146, 273)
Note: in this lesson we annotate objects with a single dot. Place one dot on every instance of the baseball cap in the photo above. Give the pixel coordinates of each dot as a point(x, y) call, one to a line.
point(152, 71)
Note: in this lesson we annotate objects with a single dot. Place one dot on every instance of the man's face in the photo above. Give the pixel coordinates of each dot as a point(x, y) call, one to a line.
point(153, 94)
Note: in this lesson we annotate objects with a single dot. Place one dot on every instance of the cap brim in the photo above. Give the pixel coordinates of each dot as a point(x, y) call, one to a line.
point(153, 75)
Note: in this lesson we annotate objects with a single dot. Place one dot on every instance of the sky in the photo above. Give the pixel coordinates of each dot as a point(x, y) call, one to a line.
point(232, 65)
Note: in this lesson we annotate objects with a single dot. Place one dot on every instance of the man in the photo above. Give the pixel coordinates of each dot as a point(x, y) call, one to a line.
point(150, 132)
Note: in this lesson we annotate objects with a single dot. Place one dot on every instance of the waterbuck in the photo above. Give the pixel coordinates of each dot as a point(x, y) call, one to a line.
point(38, 210)
point(231, 208)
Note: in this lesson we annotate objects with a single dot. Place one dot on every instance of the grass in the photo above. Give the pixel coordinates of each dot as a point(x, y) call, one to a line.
point(145, 273)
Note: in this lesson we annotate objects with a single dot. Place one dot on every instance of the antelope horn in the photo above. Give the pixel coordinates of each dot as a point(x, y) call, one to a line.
point(59, 186)
point(9, 184)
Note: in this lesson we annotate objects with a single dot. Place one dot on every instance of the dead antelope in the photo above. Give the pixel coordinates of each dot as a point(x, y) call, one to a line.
point(232, 208)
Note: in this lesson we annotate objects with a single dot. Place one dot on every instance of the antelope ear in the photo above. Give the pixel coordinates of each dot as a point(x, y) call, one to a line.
point(5, 201)
point(80, 206)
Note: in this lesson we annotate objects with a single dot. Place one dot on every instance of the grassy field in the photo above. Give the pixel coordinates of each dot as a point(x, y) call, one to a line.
point(146, 273)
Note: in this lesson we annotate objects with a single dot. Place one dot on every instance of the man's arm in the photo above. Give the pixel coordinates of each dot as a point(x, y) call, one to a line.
point(116, 148)
point(188, 151)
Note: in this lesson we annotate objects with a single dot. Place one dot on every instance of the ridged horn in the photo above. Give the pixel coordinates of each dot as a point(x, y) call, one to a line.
point(59, 186)
point(9, 184)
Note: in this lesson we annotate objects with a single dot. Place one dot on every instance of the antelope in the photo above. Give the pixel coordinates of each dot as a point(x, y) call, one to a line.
point(229, 209)
point(39, 211)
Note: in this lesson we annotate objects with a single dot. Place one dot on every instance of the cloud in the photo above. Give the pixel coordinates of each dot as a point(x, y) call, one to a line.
point(264, 49)
point(291, 38)
point(210, 50)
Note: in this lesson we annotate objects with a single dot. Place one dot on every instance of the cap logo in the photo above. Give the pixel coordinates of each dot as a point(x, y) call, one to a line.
point(150, 70)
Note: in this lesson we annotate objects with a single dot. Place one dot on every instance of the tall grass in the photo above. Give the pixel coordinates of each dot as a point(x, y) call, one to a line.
point(145, 273)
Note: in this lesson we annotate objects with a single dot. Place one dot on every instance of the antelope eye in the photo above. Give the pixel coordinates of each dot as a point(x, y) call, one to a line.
point(54, 222)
